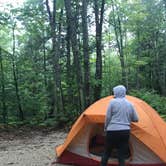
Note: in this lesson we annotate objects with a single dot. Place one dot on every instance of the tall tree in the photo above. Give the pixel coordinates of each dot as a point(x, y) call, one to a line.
point(68, 63)
point(116, 21)
point(58, 96)
point(15, 74)
point(86, 53)
point(99, 16)
point(4, 107)
point(75, 49)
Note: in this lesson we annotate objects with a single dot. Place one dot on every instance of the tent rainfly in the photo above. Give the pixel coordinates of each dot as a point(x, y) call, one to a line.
point(85, 141)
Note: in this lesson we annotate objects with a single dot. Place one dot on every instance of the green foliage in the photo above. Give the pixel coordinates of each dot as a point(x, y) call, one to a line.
point(151, 97)
point(60, 4)
point(142, 62)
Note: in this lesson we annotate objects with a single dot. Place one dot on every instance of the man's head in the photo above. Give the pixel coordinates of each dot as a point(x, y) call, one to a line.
point(119, 91)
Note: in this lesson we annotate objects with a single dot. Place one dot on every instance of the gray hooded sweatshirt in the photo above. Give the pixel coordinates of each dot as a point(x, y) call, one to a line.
point(120, 112)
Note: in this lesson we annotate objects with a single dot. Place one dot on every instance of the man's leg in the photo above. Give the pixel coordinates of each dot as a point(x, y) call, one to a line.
point(107, 150)
point(122, 147)
point(121, 157)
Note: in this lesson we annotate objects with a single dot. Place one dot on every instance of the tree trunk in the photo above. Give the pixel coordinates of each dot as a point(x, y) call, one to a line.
point(99, 22)
point(68, 63)
point(86, 54)
point(44, 61)
point(119, 39)
point(4, 113)
point(138, 58)
point(75, 50)
point(60, 91)
point(21, 114)
point(57, 102)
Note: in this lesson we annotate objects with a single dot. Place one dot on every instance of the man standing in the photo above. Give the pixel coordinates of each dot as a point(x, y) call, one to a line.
point(120, 114)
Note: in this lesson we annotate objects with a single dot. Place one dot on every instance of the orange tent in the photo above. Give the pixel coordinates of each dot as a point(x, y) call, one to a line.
point(147, 142)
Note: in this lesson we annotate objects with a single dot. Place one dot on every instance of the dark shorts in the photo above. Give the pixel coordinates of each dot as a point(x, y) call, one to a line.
point(116, 139)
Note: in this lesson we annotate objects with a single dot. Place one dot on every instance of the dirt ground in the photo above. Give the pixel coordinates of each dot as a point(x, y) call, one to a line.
point(29, 148)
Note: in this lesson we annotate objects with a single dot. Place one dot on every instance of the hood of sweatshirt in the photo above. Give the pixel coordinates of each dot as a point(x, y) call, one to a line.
point(119, 91)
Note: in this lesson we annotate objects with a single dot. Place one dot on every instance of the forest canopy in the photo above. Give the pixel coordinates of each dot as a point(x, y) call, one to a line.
point(59, 56)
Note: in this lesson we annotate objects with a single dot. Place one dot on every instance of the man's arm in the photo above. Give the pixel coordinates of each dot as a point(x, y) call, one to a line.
point(108, 117)
point(134, 115)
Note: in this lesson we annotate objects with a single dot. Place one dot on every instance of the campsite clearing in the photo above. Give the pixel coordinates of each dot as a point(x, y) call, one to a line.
point(29, 148)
